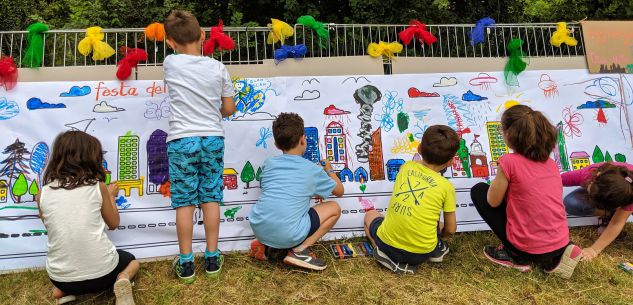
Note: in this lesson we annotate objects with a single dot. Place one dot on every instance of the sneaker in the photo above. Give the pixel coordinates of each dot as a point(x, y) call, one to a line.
point(123, 292)
point(185, 271)
point(213, 265)
point(304, 259)
point(66, 299)
point(258, 250)
point(398, 268)
point(439, 252)
point(568, 262)
point(499, 255)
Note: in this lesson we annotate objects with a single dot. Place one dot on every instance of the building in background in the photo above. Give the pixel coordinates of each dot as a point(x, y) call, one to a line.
point(312, 150)
point(335, 146)
point(478, 160)
point(157, 161)
point(229, 179)
point(498, 147)
point(4, 191)
point(579, 159)
point(128, 160)
point(393, 167)
point(376, 165)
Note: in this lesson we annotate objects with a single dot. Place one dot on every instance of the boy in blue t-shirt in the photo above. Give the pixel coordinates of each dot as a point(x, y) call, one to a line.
point(283, 218)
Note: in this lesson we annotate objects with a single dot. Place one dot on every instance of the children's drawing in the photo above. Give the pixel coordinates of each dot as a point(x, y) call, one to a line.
point(579, 159)
point(35, 103)
point(258, 176)
point(34, 189)
point(248, 174)
point(560, 150)
point(312, 150)
point(366, 97)
point(462, 169)
point(104, 107)
point(157, 161)
point(76, 91)
point(454, 118)
point(157, 110)
point(391, 104)
point(483, 81)
point(366, 204)
point(403, 121)
point(128, 159)
point(256, 116)
point(8, 109)
point(346, 175)
point(122, 203)
point(511, 100)
point(39, 159)
point(598, 104)
point(332, 110)
point(360, 175)
point(571, 122)
point(19, 188)
point(249, 98)
point(414, 93)
point(362, 187)
point(620, 158)
point(336, 147)
point(80, 125)
point(264, 134)
point(229, 179)
point(376, 167)
point(110, 119)
point(496, 143)
point(469, 96)
point(549, 87)
point(355, 79)
point(310, 81)
point(393, 167)
point(15, 165)
point(478, 160)
point(597, 156)
point(230, 213)
point(405, 145)
point(446, 82)
point(308, 95)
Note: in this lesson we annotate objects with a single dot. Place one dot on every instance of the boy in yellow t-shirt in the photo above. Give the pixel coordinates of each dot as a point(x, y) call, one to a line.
point(410, 232)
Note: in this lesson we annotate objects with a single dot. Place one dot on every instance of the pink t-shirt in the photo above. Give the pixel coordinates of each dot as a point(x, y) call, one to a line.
point(537, 222)
point(581, 177)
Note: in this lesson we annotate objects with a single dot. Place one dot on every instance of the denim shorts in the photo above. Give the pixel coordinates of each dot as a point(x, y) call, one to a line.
point(196, 165)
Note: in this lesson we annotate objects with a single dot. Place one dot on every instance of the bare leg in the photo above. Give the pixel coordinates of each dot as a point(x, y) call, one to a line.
point(184, 228)
point(329, 212)
point(130, 271)
point(211, 217)
point(57, 293)
point(369, 217)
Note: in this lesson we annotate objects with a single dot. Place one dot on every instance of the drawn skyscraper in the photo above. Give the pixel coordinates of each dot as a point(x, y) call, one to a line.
point(312, 151)
point(560, 150)
point(335, 145)
point(498, 147)
point(376, 166)
point(128, 161)
point(157, 161)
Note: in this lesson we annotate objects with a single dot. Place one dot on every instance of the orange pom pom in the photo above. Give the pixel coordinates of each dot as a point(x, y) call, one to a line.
point(155, 31)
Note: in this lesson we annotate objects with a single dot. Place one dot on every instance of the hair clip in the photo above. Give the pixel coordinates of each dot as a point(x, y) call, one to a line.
point(628, 179)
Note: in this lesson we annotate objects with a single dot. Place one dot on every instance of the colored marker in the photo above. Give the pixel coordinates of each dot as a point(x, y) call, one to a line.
point(340, 252)
point(352, 249)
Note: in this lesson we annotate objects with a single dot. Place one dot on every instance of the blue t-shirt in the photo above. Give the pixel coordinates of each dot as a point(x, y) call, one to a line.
point(280, 218)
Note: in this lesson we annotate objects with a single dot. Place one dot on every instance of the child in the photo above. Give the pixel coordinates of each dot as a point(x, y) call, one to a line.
point(201, 93)
point(282, 217)
point(606, 190)
point(410, 232)
point(523, 204)
point(76, 207)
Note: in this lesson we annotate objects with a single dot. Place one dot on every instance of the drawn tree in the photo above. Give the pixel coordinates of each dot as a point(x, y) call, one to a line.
point(607, 157)
point(15, 164)
point(39, 159)
point(464, 156)
point(620, 158)
point(258, 175)
point(597, 156)
point(34, 188)
point(19, 187)
point(248, 174)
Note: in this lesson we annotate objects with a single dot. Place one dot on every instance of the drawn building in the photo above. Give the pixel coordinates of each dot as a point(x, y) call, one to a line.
point(312, 150)
point(108, 176)
point(360, 175)
point(560, 150)
point(229, 179)
point(493, 168)
point(129, 178)
point(478, 160)
point(457, 169)
point(579, 159)
point(393, 167)
point(4, 191)
point(335, 146)
point(376, 167)
point(346, 175)
point(157, 161)
point(498, 147)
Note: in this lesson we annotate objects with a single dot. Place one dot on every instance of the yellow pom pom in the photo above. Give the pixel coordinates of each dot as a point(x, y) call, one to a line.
point(384, 49)
point(562, 35)
point(93, 42)
point(279, 31)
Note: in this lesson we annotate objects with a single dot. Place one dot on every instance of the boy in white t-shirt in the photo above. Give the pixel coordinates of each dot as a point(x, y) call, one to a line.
point(201, 94)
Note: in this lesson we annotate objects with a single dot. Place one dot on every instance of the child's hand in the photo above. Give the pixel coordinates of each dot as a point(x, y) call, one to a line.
point(589, 254)
point(113, 189)
point(326, 165)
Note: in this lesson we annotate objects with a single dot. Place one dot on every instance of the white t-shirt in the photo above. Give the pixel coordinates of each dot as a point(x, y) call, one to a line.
point(78, 247)
point(196, 85)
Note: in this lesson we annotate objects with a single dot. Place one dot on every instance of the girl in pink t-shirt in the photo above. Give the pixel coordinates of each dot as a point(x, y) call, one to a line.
point(523, 205)
point(606, 190)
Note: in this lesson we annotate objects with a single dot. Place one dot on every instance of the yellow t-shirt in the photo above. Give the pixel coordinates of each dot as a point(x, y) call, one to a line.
point(419, 195)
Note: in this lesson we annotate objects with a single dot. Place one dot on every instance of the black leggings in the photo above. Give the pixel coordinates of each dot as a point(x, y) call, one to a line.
point(497, 219)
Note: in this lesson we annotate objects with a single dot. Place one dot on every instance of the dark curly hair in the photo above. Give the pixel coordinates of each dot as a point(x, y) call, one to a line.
point(288, 130)
point(77, 160)
point(528, 132)
point(611, 187)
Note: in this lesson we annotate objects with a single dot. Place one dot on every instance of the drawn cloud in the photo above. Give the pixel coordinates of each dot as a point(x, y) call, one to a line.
point(257, 116)
point(446, 82)
point(332, 110)
point(414, 92)
point(8, 109)
point(596, 105)
point(35, 103)
point(469, 96)
point(308, 95)
point(76, 91)
point(355, 79)
point(104, 107)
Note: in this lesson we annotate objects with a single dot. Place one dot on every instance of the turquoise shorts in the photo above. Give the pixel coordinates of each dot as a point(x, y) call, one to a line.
point(196, 165)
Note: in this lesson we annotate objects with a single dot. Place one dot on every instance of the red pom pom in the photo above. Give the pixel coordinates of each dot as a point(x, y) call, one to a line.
point(418, 30)
point(217, 39)
point(8, 73)
point(131, 59)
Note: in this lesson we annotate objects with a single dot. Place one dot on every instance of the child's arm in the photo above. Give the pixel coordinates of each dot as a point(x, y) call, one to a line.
point(109, 211)
point(228, 91)
point(608, 236)
point(450, 225)
point(339, 189)
point(228, 107)
point(572, 178)
point(497, 189)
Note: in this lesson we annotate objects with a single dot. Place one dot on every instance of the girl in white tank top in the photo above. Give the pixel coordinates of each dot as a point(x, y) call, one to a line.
point(77, 208)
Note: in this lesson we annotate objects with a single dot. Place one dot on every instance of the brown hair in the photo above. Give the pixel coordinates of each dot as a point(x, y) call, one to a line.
point(439, 144)
point(76, 160)
point(528, 132)
point(611, 186)
point(182, 27)
point(288, 130)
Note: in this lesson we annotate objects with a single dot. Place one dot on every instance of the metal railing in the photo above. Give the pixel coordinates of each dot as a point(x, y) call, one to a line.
point(60, 46)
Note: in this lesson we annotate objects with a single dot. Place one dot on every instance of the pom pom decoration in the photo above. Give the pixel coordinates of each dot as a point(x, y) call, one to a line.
point(131, 59)
point(285, 51)
point(35, 50)
point(562, 36)
point(93, 42)
point(217, 39)
point(279, 31)
point(418, 30)
point(155, 32)
point(515, 64)
point(384, 49)
point(319, 27)
point(8, 73)
point(477, 33)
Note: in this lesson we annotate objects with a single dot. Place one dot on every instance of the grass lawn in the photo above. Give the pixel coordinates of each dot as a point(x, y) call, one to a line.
point(465, 277)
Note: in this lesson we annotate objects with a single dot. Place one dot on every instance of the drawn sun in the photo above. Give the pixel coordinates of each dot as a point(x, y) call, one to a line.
point(511, 101)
